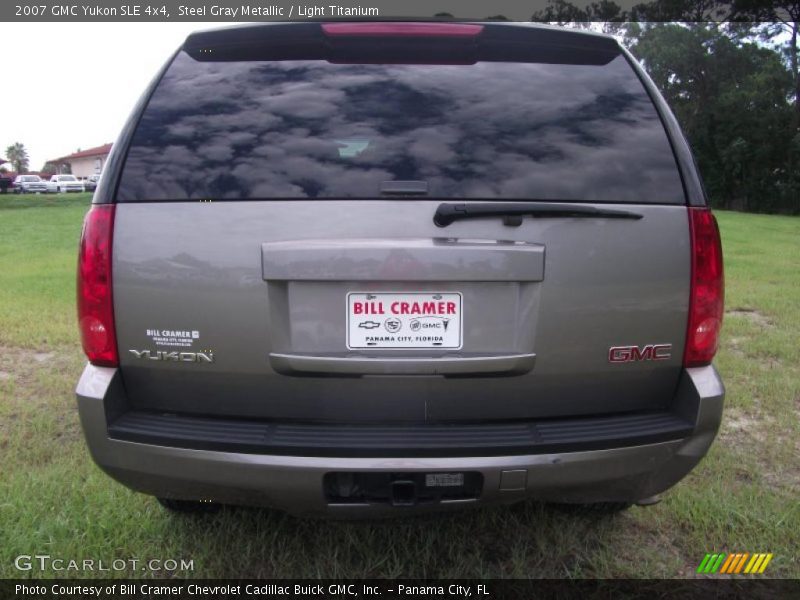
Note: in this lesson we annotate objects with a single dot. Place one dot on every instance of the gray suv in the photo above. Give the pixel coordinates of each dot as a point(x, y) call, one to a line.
point(377, 267)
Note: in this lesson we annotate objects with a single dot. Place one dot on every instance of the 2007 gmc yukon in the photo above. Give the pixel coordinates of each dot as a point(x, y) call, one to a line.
point(370, 267)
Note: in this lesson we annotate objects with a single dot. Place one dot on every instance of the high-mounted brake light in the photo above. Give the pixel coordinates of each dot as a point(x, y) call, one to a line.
point(706, 302)
point(453, 30)
point(95, 303)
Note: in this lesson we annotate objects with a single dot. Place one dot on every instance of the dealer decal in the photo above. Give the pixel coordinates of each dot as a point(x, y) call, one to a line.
point(173, 338)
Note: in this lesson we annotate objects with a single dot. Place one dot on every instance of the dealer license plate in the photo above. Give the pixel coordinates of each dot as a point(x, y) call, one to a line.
point(404, 320)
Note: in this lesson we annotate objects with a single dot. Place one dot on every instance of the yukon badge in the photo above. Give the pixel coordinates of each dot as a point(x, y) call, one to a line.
point(193, 357)
point(622, 354)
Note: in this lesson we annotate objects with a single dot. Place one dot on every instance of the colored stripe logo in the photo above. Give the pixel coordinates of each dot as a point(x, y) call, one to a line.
point(734, 564)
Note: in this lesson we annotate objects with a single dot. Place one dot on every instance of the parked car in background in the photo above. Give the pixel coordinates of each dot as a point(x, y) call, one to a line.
point(90, 183)
point(29, 184)
point(64, 183)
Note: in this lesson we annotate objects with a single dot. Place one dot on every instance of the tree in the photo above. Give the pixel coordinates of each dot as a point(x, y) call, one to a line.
point(732, 100)
point(605, 15)
point(694, 11)
point(18, 157)
point(561, 12)
point(50, 168)
point(773, 19)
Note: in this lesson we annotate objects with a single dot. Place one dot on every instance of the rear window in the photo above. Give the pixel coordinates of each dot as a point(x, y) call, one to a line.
point(290, 129)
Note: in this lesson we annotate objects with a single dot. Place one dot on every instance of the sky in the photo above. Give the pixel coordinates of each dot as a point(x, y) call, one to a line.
point(70, 86)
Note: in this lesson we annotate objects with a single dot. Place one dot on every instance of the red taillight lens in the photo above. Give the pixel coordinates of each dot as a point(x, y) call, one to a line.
point(459, 30)
point(707, 289)
point(95, 303)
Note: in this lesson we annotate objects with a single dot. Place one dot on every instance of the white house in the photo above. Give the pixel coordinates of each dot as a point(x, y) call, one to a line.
point(84, 162)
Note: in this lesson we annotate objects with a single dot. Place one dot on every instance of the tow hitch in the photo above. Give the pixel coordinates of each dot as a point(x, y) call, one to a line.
point(401, 489)
point(404, 493)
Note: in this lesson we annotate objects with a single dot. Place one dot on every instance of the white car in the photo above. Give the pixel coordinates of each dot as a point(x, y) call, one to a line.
point(29, 184)
point(65, 183)
point(91, 182)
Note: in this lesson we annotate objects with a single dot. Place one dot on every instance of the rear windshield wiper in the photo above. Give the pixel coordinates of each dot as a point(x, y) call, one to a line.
point(513, 212)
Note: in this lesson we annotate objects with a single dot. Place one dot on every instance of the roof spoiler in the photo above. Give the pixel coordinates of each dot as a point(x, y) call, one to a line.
point(401, 42)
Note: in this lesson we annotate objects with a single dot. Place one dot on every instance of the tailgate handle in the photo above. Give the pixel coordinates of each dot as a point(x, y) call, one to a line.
point(512, 212)
point(402, 259)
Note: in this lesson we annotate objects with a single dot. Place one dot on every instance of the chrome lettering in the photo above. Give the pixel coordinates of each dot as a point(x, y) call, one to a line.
point(622, 354)
point(162, 355)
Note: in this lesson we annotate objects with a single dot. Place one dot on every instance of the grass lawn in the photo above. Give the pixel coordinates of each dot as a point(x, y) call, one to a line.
point(53, 500)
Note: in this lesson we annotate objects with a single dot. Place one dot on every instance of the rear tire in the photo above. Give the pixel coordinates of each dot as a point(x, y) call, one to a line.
point(189, 506)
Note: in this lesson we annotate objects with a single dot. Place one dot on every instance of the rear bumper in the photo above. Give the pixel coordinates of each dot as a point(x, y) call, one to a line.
point(295, 483)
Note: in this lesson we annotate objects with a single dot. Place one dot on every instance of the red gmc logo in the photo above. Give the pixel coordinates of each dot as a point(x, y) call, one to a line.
point(621, 354)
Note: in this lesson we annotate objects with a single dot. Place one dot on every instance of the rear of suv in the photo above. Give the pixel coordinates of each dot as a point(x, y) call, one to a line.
point(361, 268)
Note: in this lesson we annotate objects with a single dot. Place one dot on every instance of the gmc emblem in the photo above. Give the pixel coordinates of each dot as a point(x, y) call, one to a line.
point(621, 354)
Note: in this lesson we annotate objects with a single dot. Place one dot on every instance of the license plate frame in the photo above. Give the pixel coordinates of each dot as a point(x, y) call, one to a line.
point(383, 324)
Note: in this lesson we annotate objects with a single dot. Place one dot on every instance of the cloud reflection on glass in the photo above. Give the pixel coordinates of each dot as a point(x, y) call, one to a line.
point(310, 129)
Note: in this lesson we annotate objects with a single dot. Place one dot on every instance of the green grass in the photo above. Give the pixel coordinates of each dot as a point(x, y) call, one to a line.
point(38, 253)
point(53, 500)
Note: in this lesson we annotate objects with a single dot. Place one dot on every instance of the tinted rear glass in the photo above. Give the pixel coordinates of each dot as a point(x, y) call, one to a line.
point(314, 129)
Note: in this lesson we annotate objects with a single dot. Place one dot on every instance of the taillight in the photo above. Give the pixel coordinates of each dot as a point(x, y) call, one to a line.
point(707, 289)
point(95, 303)
point(459, 30)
